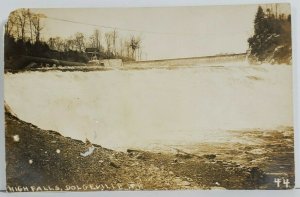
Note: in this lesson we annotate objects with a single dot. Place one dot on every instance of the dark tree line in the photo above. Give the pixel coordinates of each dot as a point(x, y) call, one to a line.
point(271, 41)
point(23, 37)
point(107, 44)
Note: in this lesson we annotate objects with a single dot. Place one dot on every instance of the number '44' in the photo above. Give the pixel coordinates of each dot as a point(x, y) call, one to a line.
point(284, 181)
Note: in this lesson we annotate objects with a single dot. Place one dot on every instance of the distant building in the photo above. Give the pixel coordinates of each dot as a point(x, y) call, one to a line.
point(92, 53)
point(94, 56)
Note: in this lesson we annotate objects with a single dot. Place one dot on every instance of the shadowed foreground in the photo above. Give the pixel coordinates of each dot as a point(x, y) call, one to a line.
point(43, 160)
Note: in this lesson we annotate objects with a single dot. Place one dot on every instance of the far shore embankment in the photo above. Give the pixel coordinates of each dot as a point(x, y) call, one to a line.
point(31, 62)
point(25, 63)
point(189, 61)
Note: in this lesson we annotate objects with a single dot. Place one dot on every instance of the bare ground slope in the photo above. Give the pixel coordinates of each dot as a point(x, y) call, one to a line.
point(43, 160)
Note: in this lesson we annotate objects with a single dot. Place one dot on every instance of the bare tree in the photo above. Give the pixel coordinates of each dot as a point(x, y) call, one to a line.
point(92, 41)
point(97, 35)
point(51, 43)
point(134, 44)
point(121, 47)
point(66, 47)
point(23, 21)
point(37, 26)
point(140, 52)
point(114, 38)
point(22, 18)
point(79, 41)
point(30, 15)
point(11, 25)
point(128, 48)
point(108, 40)
point(70, 44)
point(95, 39)
point(56, 43)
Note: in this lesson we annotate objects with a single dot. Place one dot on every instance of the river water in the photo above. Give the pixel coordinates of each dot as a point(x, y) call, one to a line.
point(142, 108)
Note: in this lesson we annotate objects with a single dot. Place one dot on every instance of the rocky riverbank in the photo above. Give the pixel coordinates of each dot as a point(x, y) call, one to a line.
point(44, 160)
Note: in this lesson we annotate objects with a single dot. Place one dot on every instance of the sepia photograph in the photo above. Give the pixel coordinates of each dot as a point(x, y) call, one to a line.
point(149, 98)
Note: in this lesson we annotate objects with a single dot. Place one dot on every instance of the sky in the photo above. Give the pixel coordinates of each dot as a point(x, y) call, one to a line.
point(166, 32)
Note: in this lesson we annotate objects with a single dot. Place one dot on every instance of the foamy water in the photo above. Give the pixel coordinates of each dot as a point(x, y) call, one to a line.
point(136, 108)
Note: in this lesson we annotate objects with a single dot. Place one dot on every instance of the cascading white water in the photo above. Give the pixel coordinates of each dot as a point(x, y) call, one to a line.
point(121, 109)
